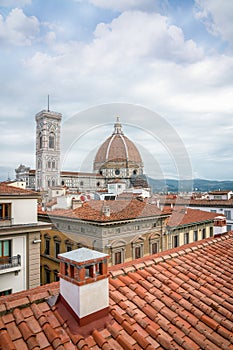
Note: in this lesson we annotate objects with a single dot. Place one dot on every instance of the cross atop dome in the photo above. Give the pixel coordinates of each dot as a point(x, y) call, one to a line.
point(118, 126)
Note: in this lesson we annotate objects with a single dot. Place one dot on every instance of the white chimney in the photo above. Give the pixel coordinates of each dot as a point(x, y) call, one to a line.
point(84, 284)
point(220, 225)
point(106, 210)
point(76, 203)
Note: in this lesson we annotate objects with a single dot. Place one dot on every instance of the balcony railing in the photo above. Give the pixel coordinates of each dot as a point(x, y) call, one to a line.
point(11, 261)
point(6, 222)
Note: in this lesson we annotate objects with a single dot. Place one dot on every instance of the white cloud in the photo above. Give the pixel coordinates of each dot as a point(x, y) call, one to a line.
point(18, 29)
point(124, 5)
point(124, 37)
point(139, 58)
point(14, 3)
point(217, 17)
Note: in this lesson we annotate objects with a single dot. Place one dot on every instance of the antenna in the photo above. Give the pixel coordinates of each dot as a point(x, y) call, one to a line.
point(48, 103)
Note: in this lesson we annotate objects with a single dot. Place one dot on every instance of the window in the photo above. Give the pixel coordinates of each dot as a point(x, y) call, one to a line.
point(56, 277)
point(228, 228)
point(154, 248)
point(40, 141)
point(203, 233)
point(53, 165)
point(5, 292)
point(175, 241)
point(117, 172)
point(47, 272)
point(186, 238)
point(211, 231)
point(47, 247)
point(68, 248)
point(227, 213)
point(51, 141)
point(195, 236)
point(5, 248)
point(5, 211)
point(117, 258)
point(57, 248)
point(137, 252)
point(137, 227)
point(49, 164)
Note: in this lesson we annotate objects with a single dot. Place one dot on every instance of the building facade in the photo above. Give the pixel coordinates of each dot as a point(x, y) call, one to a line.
point(125, 230)
point(19, 239)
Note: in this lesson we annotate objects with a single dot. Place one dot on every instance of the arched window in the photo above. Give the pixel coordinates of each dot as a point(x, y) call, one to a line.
point(40, 141)
point(52, 141)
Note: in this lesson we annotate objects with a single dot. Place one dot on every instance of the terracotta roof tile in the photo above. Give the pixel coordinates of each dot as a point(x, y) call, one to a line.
point(6, 189)
point(174, 302)
point(93, 210)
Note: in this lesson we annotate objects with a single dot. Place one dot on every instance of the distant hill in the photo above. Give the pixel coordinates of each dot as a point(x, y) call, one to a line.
point(198, 185)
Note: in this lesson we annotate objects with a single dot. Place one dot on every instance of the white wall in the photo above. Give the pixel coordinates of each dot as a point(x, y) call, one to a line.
point(10, 278)
point(23, 211)
point(85, 299)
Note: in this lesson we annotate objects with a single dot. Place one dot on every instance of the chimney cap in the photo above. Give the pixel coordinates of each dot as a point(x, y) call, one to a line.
point(82, 255)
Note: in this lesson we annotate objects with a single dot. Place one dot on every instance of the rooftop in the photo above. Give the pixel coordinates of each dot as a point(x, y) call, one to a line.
point(93, 210)
point(178, 299)
point(6, 189)
point(185, 216)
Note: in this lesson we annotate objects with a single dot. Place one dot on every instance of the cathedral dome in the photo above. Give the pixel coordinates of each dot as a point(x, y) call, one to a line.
point(118, 156)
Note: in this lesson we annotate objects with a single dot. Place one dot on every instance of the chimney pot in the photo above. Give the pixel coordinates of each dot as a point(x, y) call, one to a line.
point(84, 283)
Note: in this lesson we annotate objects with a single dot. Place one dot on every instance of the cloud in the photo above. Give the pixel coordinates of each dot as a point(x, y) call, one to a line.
point(136, 57)
point(124, 5)
point(14, 3)
point(158, 39)
point(217, 17)
point(18, 29)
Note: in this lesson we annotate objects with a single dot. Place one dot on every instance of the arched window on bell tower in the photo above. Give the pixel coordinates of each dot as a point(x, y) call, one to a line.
point(40, 141)
point(51, 140)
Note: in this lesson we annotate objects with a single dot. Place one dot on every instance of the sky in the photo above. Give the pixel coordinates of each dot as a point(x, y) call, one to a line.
point(165, 67)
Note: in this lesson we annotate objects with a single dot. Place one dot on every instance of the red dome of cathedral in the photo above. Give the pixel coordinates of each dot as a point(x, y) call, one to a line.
point(119, 154)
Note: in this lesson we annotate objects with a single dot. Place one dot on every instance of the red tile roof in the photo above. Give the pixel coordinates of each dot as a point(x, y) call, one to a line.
point(185, 216)
point(12, 190)
point(119, 210)
point(179, 299)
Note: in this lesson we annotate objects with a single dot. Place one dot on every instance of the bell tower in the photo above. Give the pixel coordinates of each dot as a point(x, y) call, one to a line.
point(48, 125)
